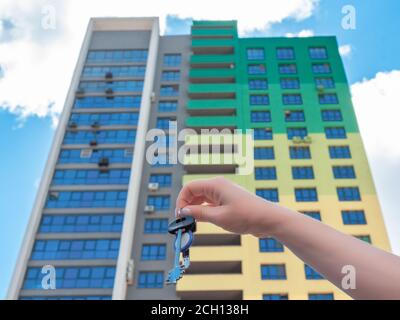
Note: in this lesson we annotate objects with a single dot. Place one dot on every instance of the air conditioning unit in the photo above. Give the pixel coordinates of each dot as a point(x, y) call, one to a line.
point(80, 93)
point(108, 75)
point(104, 162)
point(95, 125)
point(153, 186)
point(93, 143)
point(297, 140)
point(149, 209)
point(307, 139)
point(320, 88)
point(109, 92)
point(72, 125)
point(130, 272)
point(86, 153)
point(53, 196)
point(153, 97)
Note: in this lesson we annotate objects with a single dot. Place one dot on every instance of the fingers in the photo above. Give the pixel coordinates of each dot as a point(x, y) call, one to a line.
point(201, 212)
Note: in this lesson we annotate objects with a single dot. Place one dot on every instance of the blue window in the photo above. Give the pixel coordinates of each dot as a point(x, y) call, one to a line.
point(313, 214)
point(165, 123)
point(167, 106)
point(101, 136)
point(151, 279)
point(306, 194)
point(321, 68)
point(348, 194)
point(94, 177)
point(170, 75)
point(264, 153)
point(255, 54)
point(163, 179)
point(172, 59)
point(81, 223)
point(324, 83)
point(116, 86)
point(263, 133)
point(354, 217)
point(275, 296)
point(331, 115)
point(302, 172)
point(320, 296)
point(117, 71)
point(273, 272)
point(328, 98)
point(290, 99)
point(169, 91)
point(335, 133)
point(153, 252)
point(318, 53)
point(294, 116)
point(260, 116)
point(87, 199)
point(339, 152)
point(270, 245)
point(117, 56)
point(258, 84)
point(299, 152)
point(73, 277)
point(285, 53)
point(268, 194)
point(288, 68)
point(290, 83)
point(104, 119)
point(311, 274)
point(365, 238)
point(265, 173)
point(108, 102)
point(259, 99)
point(155, 225)
point(75, 249)
point(343, 172)
point(256, 69)
point(296, 132)
point(159, 202)
point(95, 155)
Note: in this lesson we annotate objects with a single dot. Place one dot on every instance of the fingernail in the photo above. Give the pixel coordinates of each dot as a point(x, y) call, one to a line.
point(184, 212)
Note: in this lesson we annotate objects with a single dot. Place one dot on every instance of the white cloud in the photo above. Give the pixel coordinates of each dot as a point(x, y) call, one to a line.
point(302, 34)
point(38, 63)
point(345, 50)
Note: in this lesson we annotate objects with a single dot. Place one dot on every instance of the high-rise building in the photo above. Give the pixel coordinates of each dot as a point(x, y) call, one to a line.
point(102, 209)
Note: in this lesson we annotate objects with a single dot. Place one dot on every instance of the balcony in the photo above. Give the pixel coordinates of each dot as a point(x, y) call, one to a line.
point(212, 75)
point(192, 285)
point(211, 61)
point(212, 107)
point(212, 91)
point(217, 122)
point(213, 46)
point(215, 163)
point(211, 33)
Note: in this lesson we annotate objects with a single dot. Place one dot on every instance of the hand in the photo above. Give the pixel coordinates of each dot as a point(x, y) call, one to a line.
point(227, 205)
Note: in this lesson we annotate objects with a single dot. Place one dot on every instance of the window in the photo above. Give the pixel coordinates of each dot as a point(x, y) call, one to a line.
point(324, 83)
point(106, 102)
point(172, 59)
point(165, 123)
point(294, 116)
point(365, 238)
point(311, 274)
point(159, 202)
point(320, 296)
point(259, 99)
point(170, 75)
point(335, 133)
point(348, 194)
point(255, 54)
point(331, 115)
point(290, 99)
point(339, 152)
point(275, 296)
point(117, 56)
point(167, 106)
point(104, 119)
point(328, 98)
point(155, 225)
point(101, 136)
point(260, 116)
point(153, 252)
point(264, 153)
point(343, 172)
point(256, 69)
point(73, 277)
point(263, 133)
point(321, 68)
point(296, 132)
point(354, 217)
point(169, 91)
point(270, 245)
point(290, 83)
point(313, 214)
point(91, 177)
point(153, 279)
point(268, 194)
point(258, 84)
point(117, 71)
point(75, 249)
point(163, 179)
point(81, 223)
point(318, 53)
point(116, 86)
point(94, 156)
point(285, 53)
point(302, 172)
point(306, 194)
point(273, 272)
point(288, 68)
point(299, 152)
point(265, 173)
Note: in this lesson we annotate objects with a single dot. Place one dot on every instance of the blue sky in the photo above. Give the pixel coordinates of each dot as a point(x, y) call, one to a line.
point(27, 122)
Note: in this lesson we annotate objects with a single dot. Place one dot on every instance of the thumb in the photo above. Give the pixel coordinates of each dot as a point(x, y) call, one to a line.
point(200, 212)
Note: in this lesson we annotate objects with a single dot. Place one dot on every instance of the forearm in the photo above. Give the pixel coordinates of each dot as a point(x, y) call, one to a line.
point(328, 251)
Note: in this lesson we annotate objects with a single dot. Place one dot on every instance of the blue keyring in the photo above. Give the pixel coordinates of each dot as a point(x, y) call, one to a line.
point(189, 242)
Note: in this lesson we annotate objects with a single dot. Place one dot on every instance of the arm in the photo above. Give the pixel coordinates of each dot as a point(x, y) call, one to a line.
point(325, 249)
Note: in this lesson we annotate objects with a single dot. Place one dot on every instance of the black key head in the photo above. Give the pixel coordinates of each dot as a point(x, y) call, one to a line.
point(185, 223)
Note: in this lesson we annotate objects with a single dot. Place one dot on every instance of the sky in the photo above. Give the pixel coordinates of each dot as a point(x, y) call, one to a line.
point(39, 46)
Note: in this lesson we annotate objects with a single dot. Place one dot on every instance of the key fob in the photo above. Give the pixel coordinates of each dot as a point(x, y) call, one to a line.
point(185, 223)
point(186, 241)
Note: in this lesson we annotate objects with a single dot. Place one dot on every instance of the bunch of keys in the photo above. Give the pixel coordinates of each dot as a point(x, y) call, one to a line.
point(183, 229)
